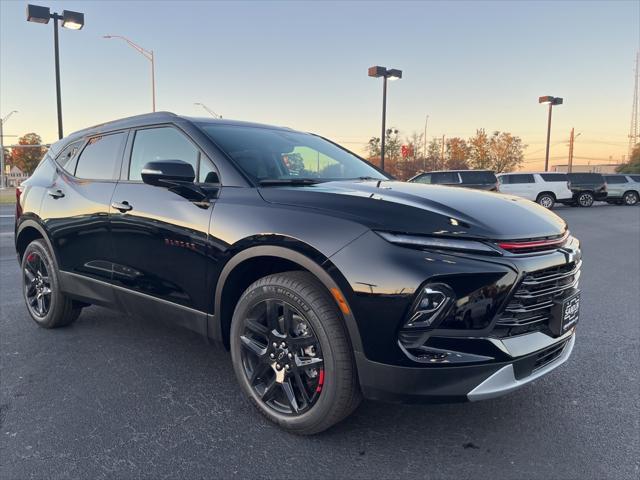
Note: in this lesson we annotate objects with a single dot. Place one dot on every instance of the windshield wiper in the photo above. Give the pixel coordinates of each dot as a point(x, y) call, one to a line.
point(288, 181)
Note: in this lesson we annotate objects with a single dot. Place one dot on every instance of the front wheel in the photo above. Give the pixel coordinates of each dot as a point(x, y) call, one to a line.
point(585, 199)
point(630, 198)
point(546, 200)
point(291, 353)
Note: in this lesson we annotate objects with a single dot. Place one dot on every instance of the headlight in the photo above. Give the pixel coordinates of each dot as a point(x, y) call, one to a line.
point(431, 305)
point(438, 243)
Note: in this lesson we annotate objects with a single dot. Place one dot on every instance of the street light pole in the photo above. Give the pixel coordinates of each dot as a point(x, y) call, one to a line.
point(2, 168)
point(384, 122)
point(551, 101)
point(385, 73)
point(56, 49)
point(70, 20)
point(148, 54)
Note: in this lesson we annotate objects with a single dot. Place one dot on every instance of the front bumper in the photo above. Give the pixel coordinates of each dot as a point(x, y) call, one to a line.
point(465, 383)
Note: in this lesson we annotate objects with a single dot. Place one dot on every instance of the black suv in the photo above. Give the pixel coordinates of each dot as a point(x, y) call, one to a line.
point(479, 179)
point(326, 279)
point(586, 188)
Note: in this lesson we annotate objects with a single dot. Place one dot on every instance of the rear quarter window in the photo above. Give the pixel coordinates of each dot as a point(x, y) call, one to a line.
point(615, 179)
point(445, 178)
point(554, 177)
point(522, 178)
point(478, 177)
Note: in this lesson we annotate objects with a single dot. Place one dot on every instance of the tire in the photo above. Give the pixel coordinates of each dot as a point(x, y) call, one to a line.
point(325, 388)
point(630, 198)
point(46, 304)
point(585, 199)
point(547, 200)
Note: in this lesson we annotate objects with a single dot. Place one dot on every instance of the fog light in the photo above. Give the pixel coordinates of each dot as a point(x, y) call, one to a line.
point(431, 305)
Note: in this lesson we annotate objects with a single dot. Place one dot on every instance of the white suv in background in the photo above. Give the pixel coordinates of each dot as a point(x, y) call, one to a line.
point(543, 188)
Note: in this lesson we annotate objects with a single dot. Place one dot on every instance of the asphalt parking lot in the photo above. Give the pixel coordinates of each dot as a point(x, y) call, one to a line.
point(120, 397)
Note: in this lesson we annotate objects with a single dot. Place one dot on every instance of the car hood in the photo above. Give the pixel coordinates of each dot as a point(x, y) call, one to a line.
point(423, 209)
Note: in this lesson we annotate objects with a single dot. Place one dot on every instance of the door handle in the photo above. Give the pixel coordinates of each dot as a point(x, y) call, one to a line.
point(55, 193)
point(122, 206)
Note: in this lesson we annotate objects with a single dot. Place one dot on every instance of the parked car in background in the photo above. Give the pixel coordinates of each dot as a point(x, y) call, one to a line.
point(587, 188)
point(479, 179)
point(543, 188)
point(623, 189)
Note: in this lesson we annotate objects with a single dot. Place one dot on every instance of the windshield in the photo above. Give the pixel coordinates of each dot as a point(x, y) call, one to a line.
point(269, 154)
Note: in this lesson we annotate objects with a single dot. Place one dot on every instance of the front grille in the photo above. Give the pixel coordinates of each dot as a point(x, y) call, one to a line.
point(549, 354)
point(530, 306)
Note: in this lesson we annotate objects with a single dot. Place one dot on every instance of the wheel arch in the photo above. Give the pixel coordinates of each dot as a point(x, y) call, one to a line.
point(546, 192)
point(266, 259)
point(29, 230)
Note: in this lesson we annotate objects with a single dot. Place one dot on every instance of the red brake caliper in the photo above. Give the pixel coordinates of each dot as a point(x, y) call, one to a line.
point(320, 381)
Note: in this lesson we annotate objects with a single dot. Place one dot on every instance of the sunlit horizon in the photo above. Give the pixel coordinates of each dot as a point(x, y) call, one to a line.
point(467, 65)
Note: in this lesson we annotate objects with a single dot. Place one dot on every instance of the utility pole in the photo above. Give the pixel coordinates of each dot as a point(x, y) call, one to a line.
point(570, 165)
point(442, 154)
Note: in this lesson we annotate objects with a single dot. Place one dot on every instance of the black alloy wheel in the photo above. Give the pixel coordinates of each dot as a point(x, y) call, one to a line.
point(291, 353)
point(46, 303)
point(585, 199)
point(282, 357)
point(37, 285)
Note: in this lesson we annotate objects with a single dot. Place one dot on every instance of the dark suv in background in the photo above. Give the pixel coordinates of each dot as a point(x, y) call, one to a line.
point(479, 179)
point(586, 188)
point(327, 280)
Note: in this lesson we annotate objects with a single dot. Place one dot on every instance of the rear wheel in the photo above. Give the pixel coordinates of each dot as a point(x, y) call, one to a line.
point(630, 198)
point(585, 199)
point(547, 200)
point(291, 353)
point(46, 304)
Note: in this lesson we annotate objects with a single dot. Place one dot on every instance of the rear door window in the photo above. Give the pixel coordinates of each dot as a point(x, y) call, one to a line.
point(554, 177)
point(101, 158)
point(521, 178)
point(445, 178)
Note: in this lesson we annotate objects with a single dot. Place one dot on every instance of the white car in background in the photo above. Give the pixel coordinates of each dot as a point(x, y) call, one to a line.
point(543, 188)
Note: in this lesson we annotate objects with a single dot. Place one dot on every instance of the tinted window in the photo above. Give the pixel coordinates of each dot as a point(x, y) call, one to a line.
point(615, 179)
point(478, 177)
point(554, 177)
point(68, 158)
point(100, 157)
point(164, 143)
point(445, 178)
point(585, 177)
point(426, 178)
point(278, 154)
point(635, 178)
point(521, 178)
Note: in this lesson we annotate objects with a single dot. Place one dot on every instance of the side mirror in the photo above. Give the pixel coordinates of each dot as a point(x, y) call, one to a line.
point(165, 173)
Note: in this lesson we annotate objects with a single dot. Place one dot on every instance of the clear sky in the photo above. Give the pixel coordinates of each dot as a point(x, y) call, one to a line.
point(467, 65)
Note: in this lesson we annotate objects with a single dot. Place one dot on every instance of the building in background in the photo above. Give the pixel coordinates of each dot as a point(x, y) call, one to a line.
point(595, 168)
point(15, 176)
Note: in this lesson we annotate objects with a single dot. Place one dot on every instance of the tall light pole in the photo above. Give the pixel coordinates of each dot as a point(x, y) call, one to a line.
point(2, 122)
point(551, 101)
point(209, 111)
point(148, 54)
point(391, 74)
point(70, 20)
